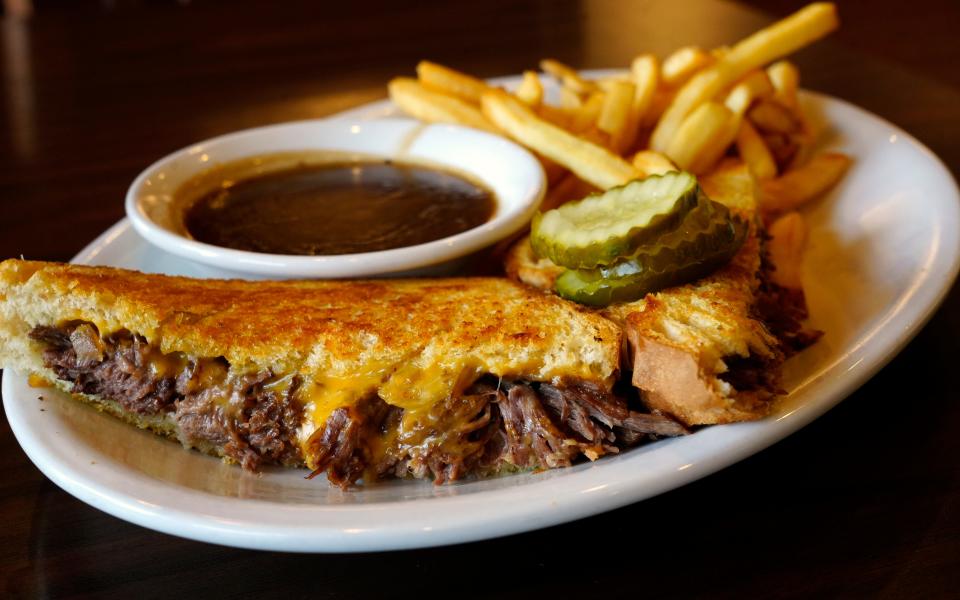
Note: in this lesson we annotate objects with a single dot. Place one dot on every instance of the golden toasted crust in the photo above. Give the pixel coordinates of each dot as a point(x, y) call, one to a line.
point(333, 328)
point(682, 337)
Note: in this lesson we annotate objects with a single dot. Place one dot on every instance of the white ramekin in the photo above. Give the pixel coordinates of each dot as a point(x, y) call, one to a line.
point(512, 173)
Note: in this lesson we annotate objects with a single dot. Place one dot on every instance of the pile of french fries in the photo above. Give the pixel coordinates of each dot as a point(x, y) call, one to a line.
point(687, 112)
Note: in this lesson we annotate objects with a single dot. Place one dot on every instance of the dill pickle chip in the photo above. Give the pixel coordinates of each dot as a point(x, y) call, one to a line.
point(635, 277)
point(708, 229)
point(603, 228)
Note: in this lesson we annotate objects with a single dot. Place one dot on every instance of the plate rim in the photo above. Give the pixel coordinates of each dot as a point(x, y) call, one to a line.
point(307, 537)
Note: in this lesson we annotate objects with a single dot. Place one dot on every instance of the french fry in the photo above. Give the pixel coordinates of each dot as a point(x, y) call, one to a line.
point(530, 90)
point(606, 83)
point(585, 116)
point(555, 115)
point(650, 162)
point(439, 78)
point(646, 78)
point(559, 193)
point(662, 98)
point(553, 171)
point(435, 107)
point(773, 117)
point(788, 239)
point(717, 146)
point(786, 81)
point(570, 187)
point(755, 153)
point(594, 164)
point(699, 136)
point(683, 63)
point(755, 85)
point(615, 118)
point(595, 136)
point(805, 142)
point(783, 147)
point(795, 188)
point(720, 52)
point(773, 42)
point(570, 99)
point(568, 76)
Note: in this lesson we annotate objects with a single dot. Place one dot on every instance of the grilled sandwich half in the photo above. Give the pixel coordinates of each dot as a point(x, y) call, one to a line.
point(363, 379)
point(709, 351)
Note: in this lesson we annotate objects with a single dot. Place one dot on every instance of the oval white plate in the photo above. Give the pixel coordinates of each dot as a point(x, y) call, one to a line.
point(884, 251)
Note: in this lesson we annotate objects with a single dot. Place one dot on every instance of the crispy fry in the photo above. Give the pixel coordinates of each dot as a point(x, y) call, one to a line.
point(788, 239)
point(717, 146)
point(804, 145)
point(755, 85)
point(786, 81)
point(585, 116)
point(595, 136)
point(773, 117)
point(555, 115)
point(754, 152)
point(560, 193)
point(651, 162)
point(439, 78)
point(683, 63)
point(530, 90)
point(570, 99)
point(553, 171)
point(590, 162)
point(570, 187)
point(662, 99)
point(739, 99)
point(605, 83)
point(616, 105)
point(797, 187)
point(805, 26)
point(615, 118)
point(567, 76)
point(720, 52)
point(434, 107)
point(646, 78)
point(699, 136)
point(782, 146)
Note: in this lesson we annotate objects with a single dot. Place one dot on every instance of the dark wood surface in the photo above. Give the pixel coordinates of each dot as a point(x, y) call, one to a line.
point(863, 502)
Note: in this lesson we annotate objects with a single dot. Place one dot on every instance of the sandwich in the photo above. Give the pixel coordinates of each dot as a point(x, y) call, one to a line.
point(440, 379)
point(709, 351)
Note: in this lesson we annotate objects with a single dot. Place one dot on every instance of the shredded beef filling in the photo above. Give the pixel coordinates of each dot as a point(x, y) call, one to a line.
point(343, 446)
point(451, 444)
point(120, 371)
point(251, 421)
point(492, 426)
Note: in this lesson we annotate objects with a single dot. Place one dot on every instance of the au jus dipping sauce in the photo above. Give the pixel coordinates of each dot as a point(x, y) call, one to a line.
point(338, 208)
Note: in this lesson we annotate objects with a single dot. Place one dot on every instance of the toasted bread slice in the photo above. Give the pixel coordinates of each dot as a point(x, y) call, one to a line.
point(686, 340)
point(437, 378)
point(334, 328)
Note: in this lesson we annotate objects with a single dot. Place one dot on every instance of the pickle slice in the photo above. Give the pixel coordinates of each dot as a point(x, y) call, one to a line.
point(707, 230)
point(600, 229)
point(632, 279)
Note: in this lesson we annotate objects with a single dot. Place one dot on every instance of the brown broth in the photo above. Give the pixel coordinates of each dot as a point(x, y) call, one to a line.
point(339, 208)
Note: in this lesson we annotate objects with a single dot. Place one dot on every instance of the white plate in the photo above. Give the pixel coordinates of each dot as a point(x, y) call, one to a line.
point(883, 253)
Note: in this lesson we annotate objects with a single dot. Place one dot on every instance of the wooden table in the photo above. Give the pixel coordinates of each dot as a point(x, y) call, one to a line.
point(862, 502)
